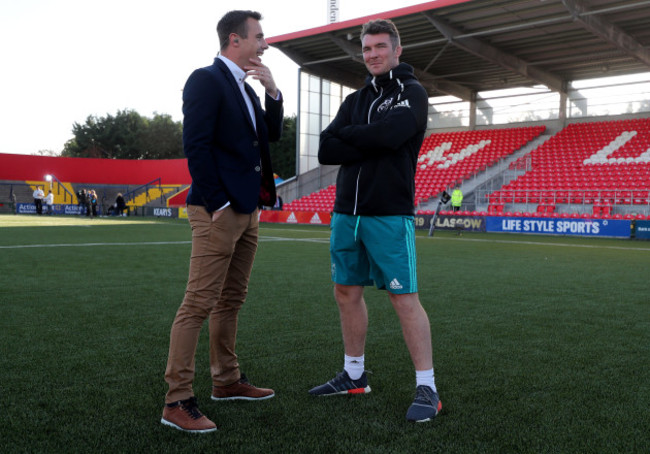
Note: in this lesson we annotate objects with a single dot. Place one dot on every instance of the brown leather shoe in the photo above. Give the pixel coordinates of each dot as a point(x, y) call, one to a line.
point(185, 415)
point(241, 390)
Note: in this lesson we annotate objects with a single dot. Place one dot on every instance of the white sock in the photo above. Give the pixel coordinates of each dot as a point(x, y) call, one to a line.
point(354, 366)
point(425, 377)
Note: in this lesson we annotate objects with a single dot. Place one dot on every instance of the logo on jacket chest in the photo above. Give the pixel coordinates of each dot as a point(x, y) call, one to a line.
point(384, 106)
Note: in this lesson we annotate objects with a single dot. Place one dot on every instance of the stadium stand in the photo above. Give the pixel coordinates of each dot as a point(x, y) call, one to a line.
point(445, 159)
point(322, 200)
point(143, 182)
point(586, 170)
point(597, 169)
point(486, 65)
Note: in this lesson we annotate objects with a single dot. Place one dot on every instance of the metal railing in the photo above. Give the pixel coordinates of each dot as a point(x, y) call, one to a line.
point(131, 195)
point(66, 192)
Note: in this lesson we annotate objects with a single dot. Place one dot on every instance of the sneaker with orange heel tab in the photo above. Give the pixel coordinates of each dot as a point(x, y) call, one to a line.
point(342, 384)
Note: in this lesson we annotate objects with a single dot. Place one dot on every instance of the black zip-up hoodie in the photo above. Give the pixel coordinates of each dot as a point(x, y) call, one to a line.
point(376, 137)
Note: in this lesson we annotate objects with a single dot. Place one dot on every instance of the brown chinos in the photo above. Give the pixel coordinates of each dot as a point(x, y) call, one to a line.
point(222, 258)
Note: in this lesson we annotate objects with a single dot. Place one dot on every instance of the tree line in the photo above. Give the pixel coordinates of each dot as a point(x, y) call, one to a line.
point(129, 135)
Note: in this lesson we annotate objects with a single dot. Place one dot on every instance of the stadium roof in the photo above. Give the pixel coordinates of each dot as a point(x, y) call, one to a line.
point(461, 47)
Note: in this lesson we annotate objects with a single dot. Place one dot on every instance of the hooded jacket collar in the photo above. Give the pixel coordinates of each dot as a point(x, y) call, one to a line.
point(399, 74)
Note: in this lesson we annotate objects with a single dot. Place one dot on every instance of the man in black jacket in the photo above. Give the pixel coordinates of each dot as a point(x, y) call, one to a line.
point(376, 137)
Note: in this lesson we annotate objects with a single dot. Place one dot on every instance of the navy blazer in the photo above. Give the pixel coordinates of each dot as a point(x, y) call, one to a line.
point(229, 160)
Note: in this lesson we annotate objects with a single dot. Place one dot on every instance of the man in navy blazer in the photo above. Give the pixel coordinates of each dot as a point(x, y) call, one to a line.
point(226, 135)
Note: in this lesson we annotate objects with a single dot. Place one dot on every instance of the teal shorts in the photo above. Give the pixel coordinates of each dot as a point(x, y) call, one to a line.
point(374, 250)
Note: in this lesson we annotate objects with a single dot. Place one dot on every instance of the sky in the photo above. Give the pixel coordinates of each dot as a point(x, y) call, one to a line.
point(64, 60)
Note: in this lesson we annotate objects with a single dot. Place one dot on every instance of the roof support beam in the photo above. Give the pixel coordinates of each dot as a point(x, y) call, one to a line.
point(322, 69)
point(432, 85)
point(354, 52)
point(495, 55)
point(298, 57)
point(607, 31)
point(336, 75)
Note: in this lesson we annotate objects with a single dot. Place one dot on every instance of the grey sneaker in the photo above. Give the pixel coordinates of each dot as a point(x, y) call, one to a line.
point(342, 384)
point(426, 405)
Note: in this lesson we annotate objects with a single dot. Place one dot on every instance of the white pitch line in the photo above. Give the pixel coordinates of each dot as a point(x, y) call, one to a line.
point(153, 243)
point(305, 240)
point(306, 230)
point(146, 243)
point(534, 243)
point(326, 241)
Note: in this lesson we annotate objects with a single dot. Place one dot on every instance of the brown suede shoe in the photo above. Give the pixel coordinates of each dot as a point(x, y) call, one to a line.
point(185, 415)
point(241, 390)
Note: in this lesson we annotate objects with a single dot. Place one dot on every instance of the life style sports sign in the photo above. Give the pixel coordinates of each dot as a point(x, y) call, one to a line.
point(616, 228)
point(642, 231)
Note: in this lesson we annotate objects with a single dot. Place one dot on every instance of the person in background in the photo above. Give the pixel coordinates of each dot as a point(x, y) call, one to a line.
point(88, 202)
point(117, 209)
point(93, 202)
point(49, 201)
point(226, 135)
point(456, 199)
point(38, 199)
point(81, 201)
point(278, 204)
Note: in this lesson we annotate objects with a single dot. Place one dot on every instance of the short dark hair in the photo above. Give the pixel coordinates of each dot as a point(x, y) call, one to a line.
point(377, 26)
point(235, 22)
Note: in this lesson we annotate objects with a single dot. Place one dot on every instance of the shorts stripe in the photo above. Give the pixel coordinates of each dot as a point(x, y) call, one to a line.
point(410, 245)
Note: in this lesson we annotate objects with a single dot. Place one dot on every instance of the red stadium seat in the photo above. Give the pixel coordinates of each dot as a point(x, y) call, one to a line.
point(565, 168)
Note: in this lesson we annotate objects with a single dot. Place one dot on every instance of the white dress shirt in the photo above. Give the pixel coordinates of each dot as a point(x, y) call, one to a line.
point(239, 75)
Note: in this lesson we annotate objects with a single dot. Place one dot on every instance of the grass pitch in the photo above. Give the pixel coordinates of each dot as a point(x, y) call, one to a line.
point(541, 344)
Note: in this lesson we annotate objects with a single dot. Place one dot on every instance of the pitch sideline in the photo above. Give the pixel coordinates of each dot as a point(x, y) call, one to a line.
point(264, 238)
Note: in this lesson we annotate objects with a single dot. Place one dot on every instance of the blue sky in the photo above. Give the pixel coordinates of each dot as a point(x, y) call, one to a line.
point(66, 59)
